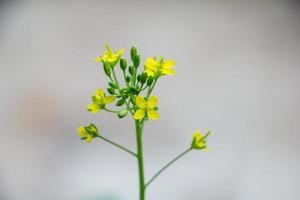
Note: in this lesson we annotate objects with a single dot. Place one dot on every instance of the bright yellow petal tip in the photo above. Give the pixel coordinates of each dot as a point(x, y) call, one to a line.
point(139, 114)
point(152, 114)
point(98, 59)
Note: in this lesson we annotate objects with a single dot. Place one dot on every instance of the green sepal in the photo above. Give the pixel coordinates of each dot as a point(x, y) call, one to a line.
point(92, 130)
point(122, 113)
point(113, 85)
point(120, 102)
point(111, 90)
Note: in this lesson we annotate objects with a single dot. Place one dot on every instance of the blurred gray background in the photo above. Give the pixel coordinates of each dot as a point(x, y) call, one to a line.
point(237, 74)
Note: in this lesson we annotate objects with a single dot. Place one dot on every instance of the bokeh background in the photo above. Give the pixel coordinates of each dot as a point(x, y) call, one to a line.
point(238, 74)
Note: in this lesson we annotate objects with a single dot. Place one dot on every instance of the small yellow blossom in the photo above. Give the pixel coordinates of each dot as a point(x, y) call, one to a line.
point(110, 56)
point(99, 101)
point(146, 108)
point(162, 67)
point(199, 141)
point(87, 133)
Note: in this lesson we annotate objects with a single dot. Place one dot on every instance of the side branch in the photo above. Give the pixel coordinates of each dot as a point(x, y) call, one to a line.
point(167, 165)
point(117, 145)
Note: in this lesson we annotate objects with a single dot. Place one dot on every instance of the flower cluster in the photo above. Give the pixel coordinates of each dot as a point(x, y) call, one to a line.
point(134, 95)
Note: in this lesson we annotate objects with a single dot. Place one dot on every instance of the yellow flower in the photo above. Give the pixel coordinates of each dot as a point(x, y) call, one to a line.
point(146, 108)
point(87, 133)
point(162, 67)
point(110, 56)
point(99, 101)
point(199, 141)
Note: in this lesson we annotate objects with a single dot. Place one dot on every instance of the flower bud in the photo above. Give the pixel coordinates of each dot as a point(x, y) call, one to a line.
point(143, 77)
point(122, 113)
point(138, 78)
point(133, 52)
point(150, 80)
point(128, 79)
point(113, 85)
point(120, 102)
point(123, 64)
point(106, 67)
point(111, 90)
point(131, 70)
point(136, 60)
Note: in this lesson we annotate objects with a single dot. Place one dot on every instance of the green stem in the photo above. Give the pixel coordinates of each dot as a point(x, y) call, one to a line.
point(117, 145)
point(151, 88)
point(109, 110)
point(167, 165)
point(139, 141)
point(115, 77)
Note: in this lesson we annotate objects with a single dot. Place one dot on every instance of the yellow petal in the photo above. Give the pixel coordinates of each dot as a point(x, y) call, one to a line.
point(150, 72)
point(197, 136)
point(139, 114)
point(120, 52)
point(100, 94)
point(140, 102)
point(152, 102)
point(109, 99)
point(168, 72)
point(93, 107)
point(169, 64)
point(151, 63)
point(81, 132)
point(152, 114)
point(89, 139)
point(98, 59)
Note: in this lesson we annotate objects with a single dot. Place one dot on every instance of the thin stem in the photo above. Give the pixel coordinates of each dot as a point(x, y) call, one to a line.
point(124, 75)
point(139, 141)
point(115, 77)
point(167, 165)
point(109, 110)
point(117, 145)
point(151, 88)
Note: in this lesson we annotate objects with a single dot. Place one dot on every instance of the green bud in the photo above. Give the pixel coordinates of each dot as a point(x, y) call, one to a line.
point(138, 78)
point(120, 102)
point(111, 90)
point(125, 96)
point(128, 79)
point(131, 70)
point(133, 52)
point(136, 60)
point(133, 90)
point(150, 80)
point(113, 85)
point(124, 90)
point(106, 67)
point(123, 64)
point(143, 77)
point(122, 113)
